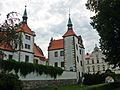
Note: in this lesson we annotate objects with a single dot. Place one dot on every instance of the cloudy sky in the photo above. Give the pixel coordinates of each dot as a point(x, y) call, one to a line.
point(48, 18)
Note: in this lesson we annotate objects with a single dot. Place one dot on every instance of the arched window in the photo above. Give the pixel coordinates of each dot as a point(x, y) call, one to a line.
point(97, 61)
point(103, 67)
point(88, 69)
point(98, 67)
point(93, 68)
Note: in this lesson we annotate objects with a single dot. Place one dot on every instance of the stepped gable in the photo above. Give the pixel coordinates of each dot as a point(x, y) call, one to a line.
point(56, 44)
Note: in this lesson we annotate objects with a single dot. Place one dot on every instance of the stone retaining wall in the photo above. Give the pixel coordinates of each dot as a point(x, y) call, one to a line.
point(29, 84)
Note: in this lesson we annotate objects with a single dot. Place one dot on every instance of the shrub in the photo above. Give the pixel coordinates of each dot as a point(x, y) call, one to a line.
point(26, 68)
point(10, 82)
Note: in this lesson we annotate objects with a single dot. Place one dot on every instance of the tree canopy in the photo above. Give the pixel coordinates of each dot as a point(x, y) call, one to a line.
point(8, 29)
point(107, 23)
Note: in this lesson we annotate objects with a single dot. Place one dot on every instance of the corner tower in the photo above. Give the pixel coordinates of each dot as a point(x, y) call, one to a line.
point(73, 51)
point(26, 51)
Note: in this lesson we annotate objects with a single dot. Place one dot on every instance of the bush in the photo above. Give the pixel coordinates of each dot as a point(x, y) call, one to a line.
point(26, 68)
point(10, 82)
point(105, 86)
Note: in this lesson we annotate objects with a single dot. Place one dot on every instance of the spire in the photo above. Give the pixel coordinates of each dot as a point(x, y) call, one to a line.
point(25, 16)
point(96, 48)
point(69, 23)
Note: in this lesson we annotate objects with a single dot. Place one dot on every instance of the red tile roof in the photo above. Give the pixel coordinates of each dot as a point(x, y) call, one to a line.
point(45, 59)
point(37, 52)
point(5, 46)
point(56, 44)
point(26, 29)
point(69, 33)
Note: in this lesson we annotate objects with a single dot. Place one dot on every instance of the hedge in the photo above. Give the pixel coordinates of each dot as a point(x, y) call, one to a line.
point(26, 68)
point(10, 81)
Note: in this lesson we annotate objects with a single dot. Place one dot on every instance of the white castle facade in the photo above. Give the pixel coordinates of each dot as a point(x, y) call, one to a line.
point(95, 62)
point(28, 51)
point(68, 53)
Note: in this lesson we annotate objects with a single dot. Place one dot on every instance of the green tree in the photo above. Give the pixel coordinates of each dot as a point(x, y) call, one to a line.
point(8, 34)
point(107, 23)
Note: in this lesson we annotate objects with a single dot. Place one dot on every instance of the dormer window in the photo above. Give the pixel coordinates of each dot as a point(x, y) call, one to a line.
point(27, 37)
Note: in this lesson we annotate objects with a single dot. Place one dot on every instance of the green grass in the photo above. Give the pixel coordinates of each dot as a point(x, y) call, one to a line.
point(104, 86)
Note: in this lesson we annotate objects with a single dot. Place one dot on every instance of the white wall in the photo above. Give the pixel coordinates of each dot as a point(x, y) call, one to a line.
point(53, 59)
point(34, 76)
point(69, 53)
point(7, 53)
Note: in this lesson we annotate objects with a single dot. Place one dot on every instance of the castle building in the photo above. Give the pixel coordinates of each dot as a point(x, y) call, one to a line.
point(28, 51)
point(67, 53)
point(95, 62)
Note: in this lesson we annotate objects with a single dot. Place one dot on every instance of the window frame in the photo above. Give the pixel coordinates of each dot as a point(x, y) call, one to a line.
point(61, 53)
point(56, 64)
point(62, 64)
point(10, 57)
point(26, 58)
point(27, 46)
point(27, 37)
point(56, 54)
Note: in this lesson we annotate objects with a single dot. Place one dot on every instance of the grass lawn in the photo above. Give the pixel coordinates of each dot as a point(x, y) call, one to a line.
point(104, 86)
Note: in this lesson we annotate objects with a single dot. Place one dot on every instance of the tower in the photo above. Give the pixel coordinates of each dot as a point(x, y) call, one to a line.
point(26, 50)
point(73, 51)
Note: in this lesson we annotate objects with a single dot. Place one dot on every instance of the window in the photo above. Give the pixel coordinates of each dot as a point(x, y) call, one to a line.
point(81, 63)
point(97, 56)
point(1, 56)
point(80, 51)
point(27, 46)
point(27, 37)
point(10, 56)
point(56, 64)
point(15, 45)
point(93, 68)
point(88, 69)
point(97, 61)
point(87, 62)
point(61, 53)
point(92, 61)
point(98, 67)
point(36, 61)
point(56, 54)
point(103, 67)
point(77, 59)
point(26, 58)
point(76, 46)
point(62, 64)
